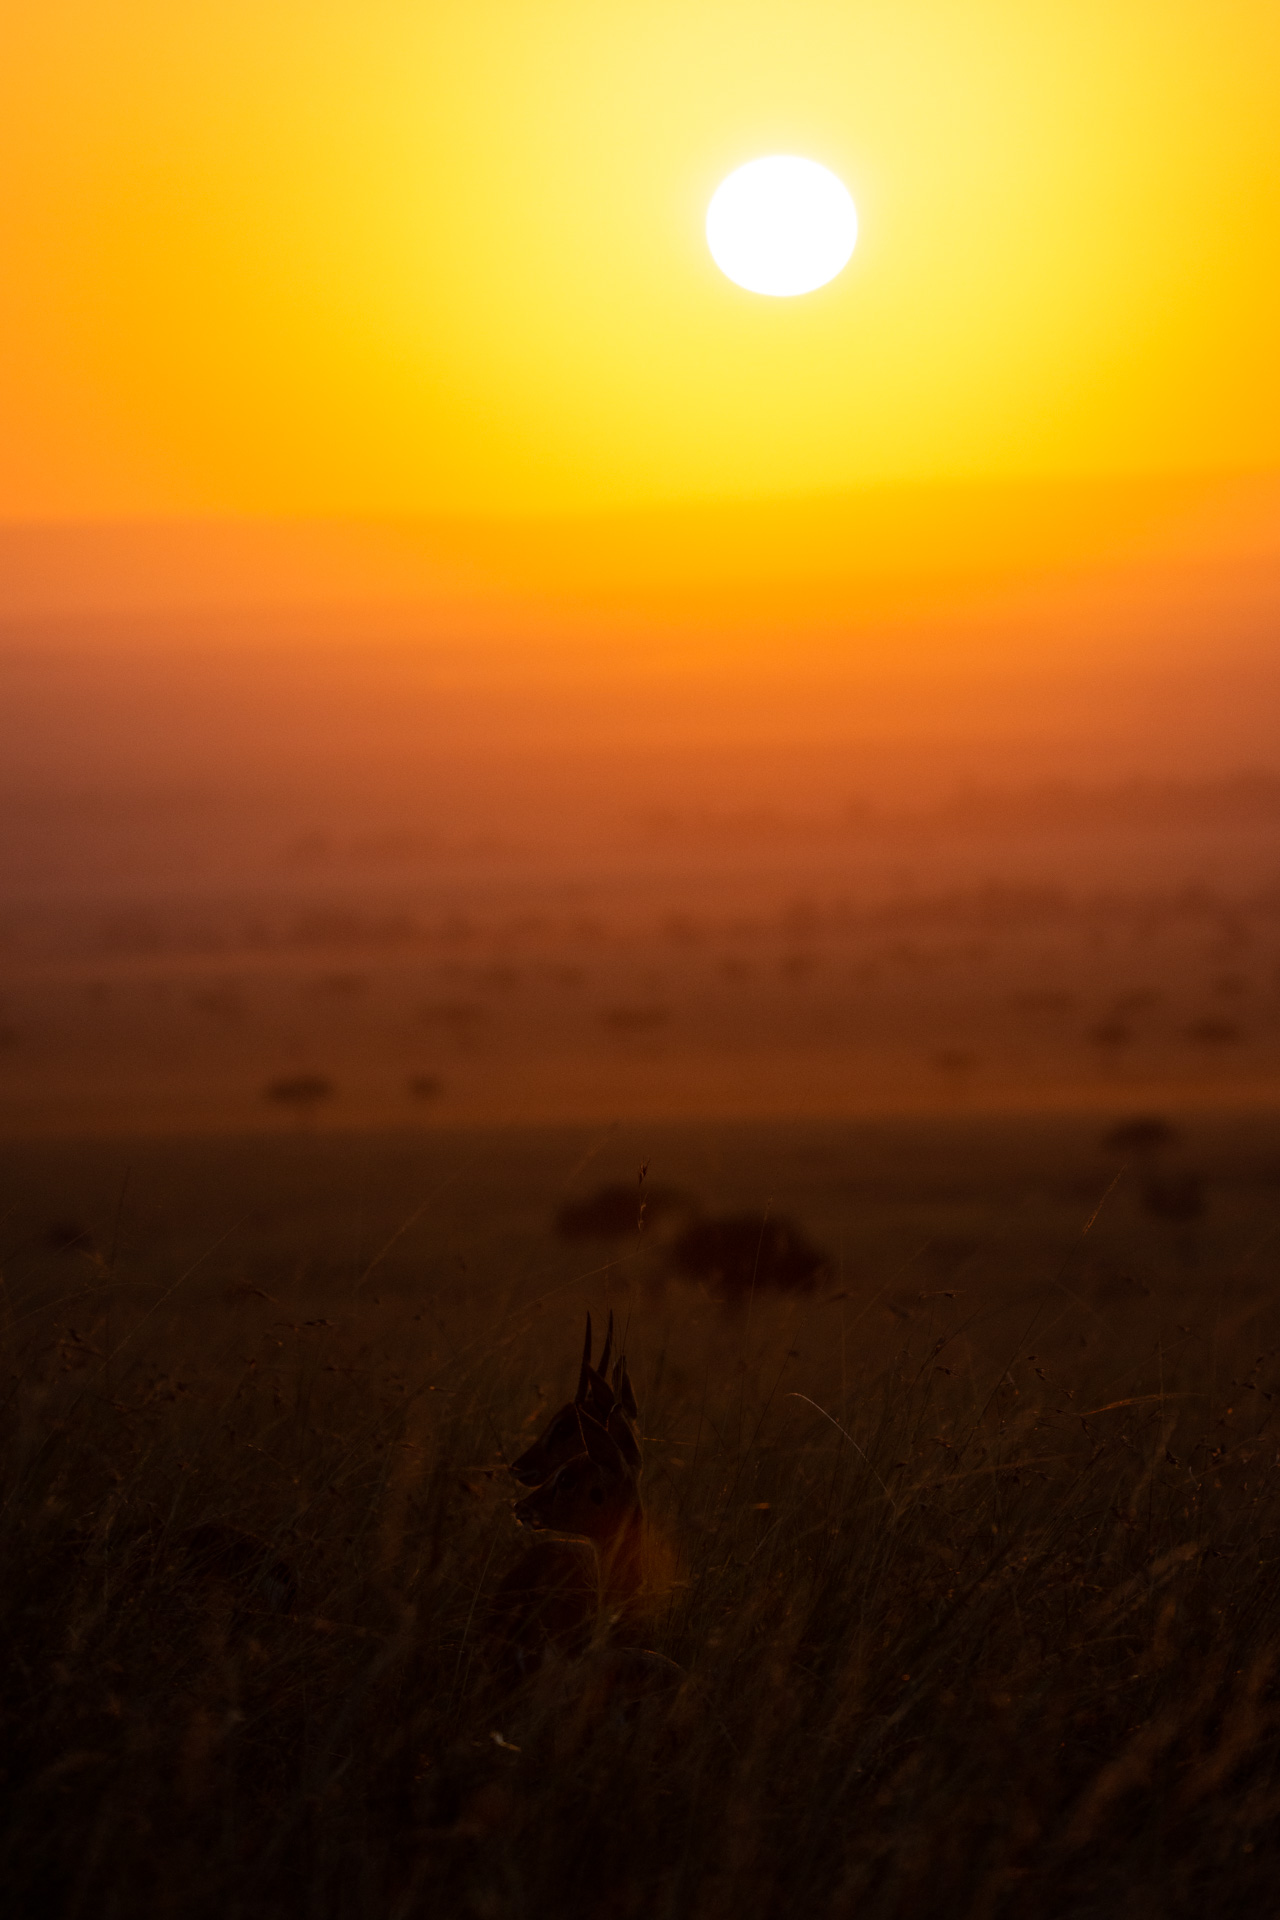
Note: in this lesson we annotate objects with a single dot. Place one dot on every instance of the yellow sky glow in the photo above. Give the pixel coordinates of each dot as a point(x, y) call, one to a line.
point(393, 258)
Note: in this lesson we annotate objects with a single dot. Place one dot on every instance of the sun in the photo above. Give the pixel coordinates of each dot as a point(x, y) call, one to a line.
point(781, 225)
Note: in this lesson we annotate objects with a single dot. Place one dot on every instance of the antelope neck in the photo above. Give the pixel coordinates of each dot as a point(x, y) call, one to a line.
point(622, 1561)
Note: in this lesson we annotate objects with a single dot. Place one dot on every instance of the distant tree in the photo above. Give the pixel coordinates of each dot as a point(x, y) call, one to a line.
point(1211, 1032)
point(630, 1021)
point(1175, 1196)
point(612, 1212)
point(65, 1236)
point(737, 1253)
point(1145, 1134)
point(304, 1093)
point(425, 1086)
point(1111, 1034)
point(953, 1061)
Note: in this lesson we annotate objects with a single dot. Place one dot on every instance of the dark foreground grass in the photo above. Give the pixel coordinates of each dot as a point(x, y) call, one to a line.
point(975, 1604)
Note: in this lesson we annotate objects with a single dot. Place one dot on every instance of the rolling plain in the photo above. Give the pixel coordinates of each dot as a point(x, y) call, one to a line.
point(968, 1543)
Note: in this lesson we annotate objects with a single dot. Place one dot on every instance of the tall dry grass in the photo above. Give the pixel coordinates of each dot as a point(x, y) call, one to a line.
point(976, 1606)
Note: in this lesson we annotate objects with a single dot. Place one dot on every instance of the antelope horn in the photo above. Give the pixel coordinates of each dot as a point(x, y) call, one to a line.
point(603, 1368)
point(584, 1377)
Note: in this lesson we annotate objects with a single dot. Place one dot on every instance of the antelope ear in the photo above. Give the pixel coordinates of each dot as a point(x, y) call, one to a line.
point(624, 1392)
point(584, 1377)
point(599, 1400)
point(603, 1368)
point(623, 1435)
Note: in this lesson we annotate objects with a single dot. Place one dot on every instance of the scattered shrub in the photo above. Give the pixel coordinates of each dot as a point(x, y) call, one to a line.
point(1174, 1196)
point(305, 1093)
point(739, 1252)
point(611, 1212)
point(1145, 1134)
point(1110, 1035)
point(1212, 1032)
point(630, 1022)
point(954, 1061)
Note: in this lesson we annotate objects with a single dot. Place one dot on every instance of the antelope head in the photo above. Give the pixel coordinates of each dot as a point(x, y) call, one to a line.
point(593, 1496)
point(600, 1404)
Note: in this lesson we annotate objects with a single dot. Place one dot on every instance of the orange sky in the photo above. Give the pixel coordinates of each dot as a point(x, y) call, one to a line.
point(385, 463)
point(395, 322)
point(1021, 577)
point(390, 259)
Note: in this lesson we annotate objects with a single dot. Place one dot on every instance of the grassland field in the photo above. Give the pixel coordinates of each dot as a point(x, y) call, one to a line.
point(971, 1549)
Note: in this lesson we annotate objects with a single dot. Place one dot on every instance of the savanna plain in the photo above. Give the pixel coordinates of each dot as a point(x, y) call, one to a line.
point(963, 1538)
point(544, 797)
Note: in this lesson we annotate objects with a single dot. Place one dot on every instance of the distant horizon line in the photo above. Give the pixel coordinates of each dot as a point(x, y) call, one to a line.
point(1156, 480)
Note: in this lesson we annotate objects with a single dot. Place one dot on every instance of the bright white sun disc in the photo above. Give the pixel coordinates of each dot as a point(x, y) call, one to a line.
point(781, 225)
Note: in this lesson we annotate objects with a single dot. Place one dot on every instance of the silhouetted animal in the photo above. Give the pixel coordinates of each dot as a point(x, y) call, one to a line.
point(566, 1592)
point(563, 1437)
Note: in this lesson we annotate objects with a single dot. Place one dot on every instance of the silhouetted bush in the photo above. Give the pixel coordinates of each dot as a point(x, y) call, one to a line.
point(1174, 1196)
point(64, 1236)
point(1146, 1133)
point(305, 1093)
point(741, 1251)
point(953, 1060)
point(610, 1212)
point(635, 1020)
point(967, 1607)
point(1211, 1032)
